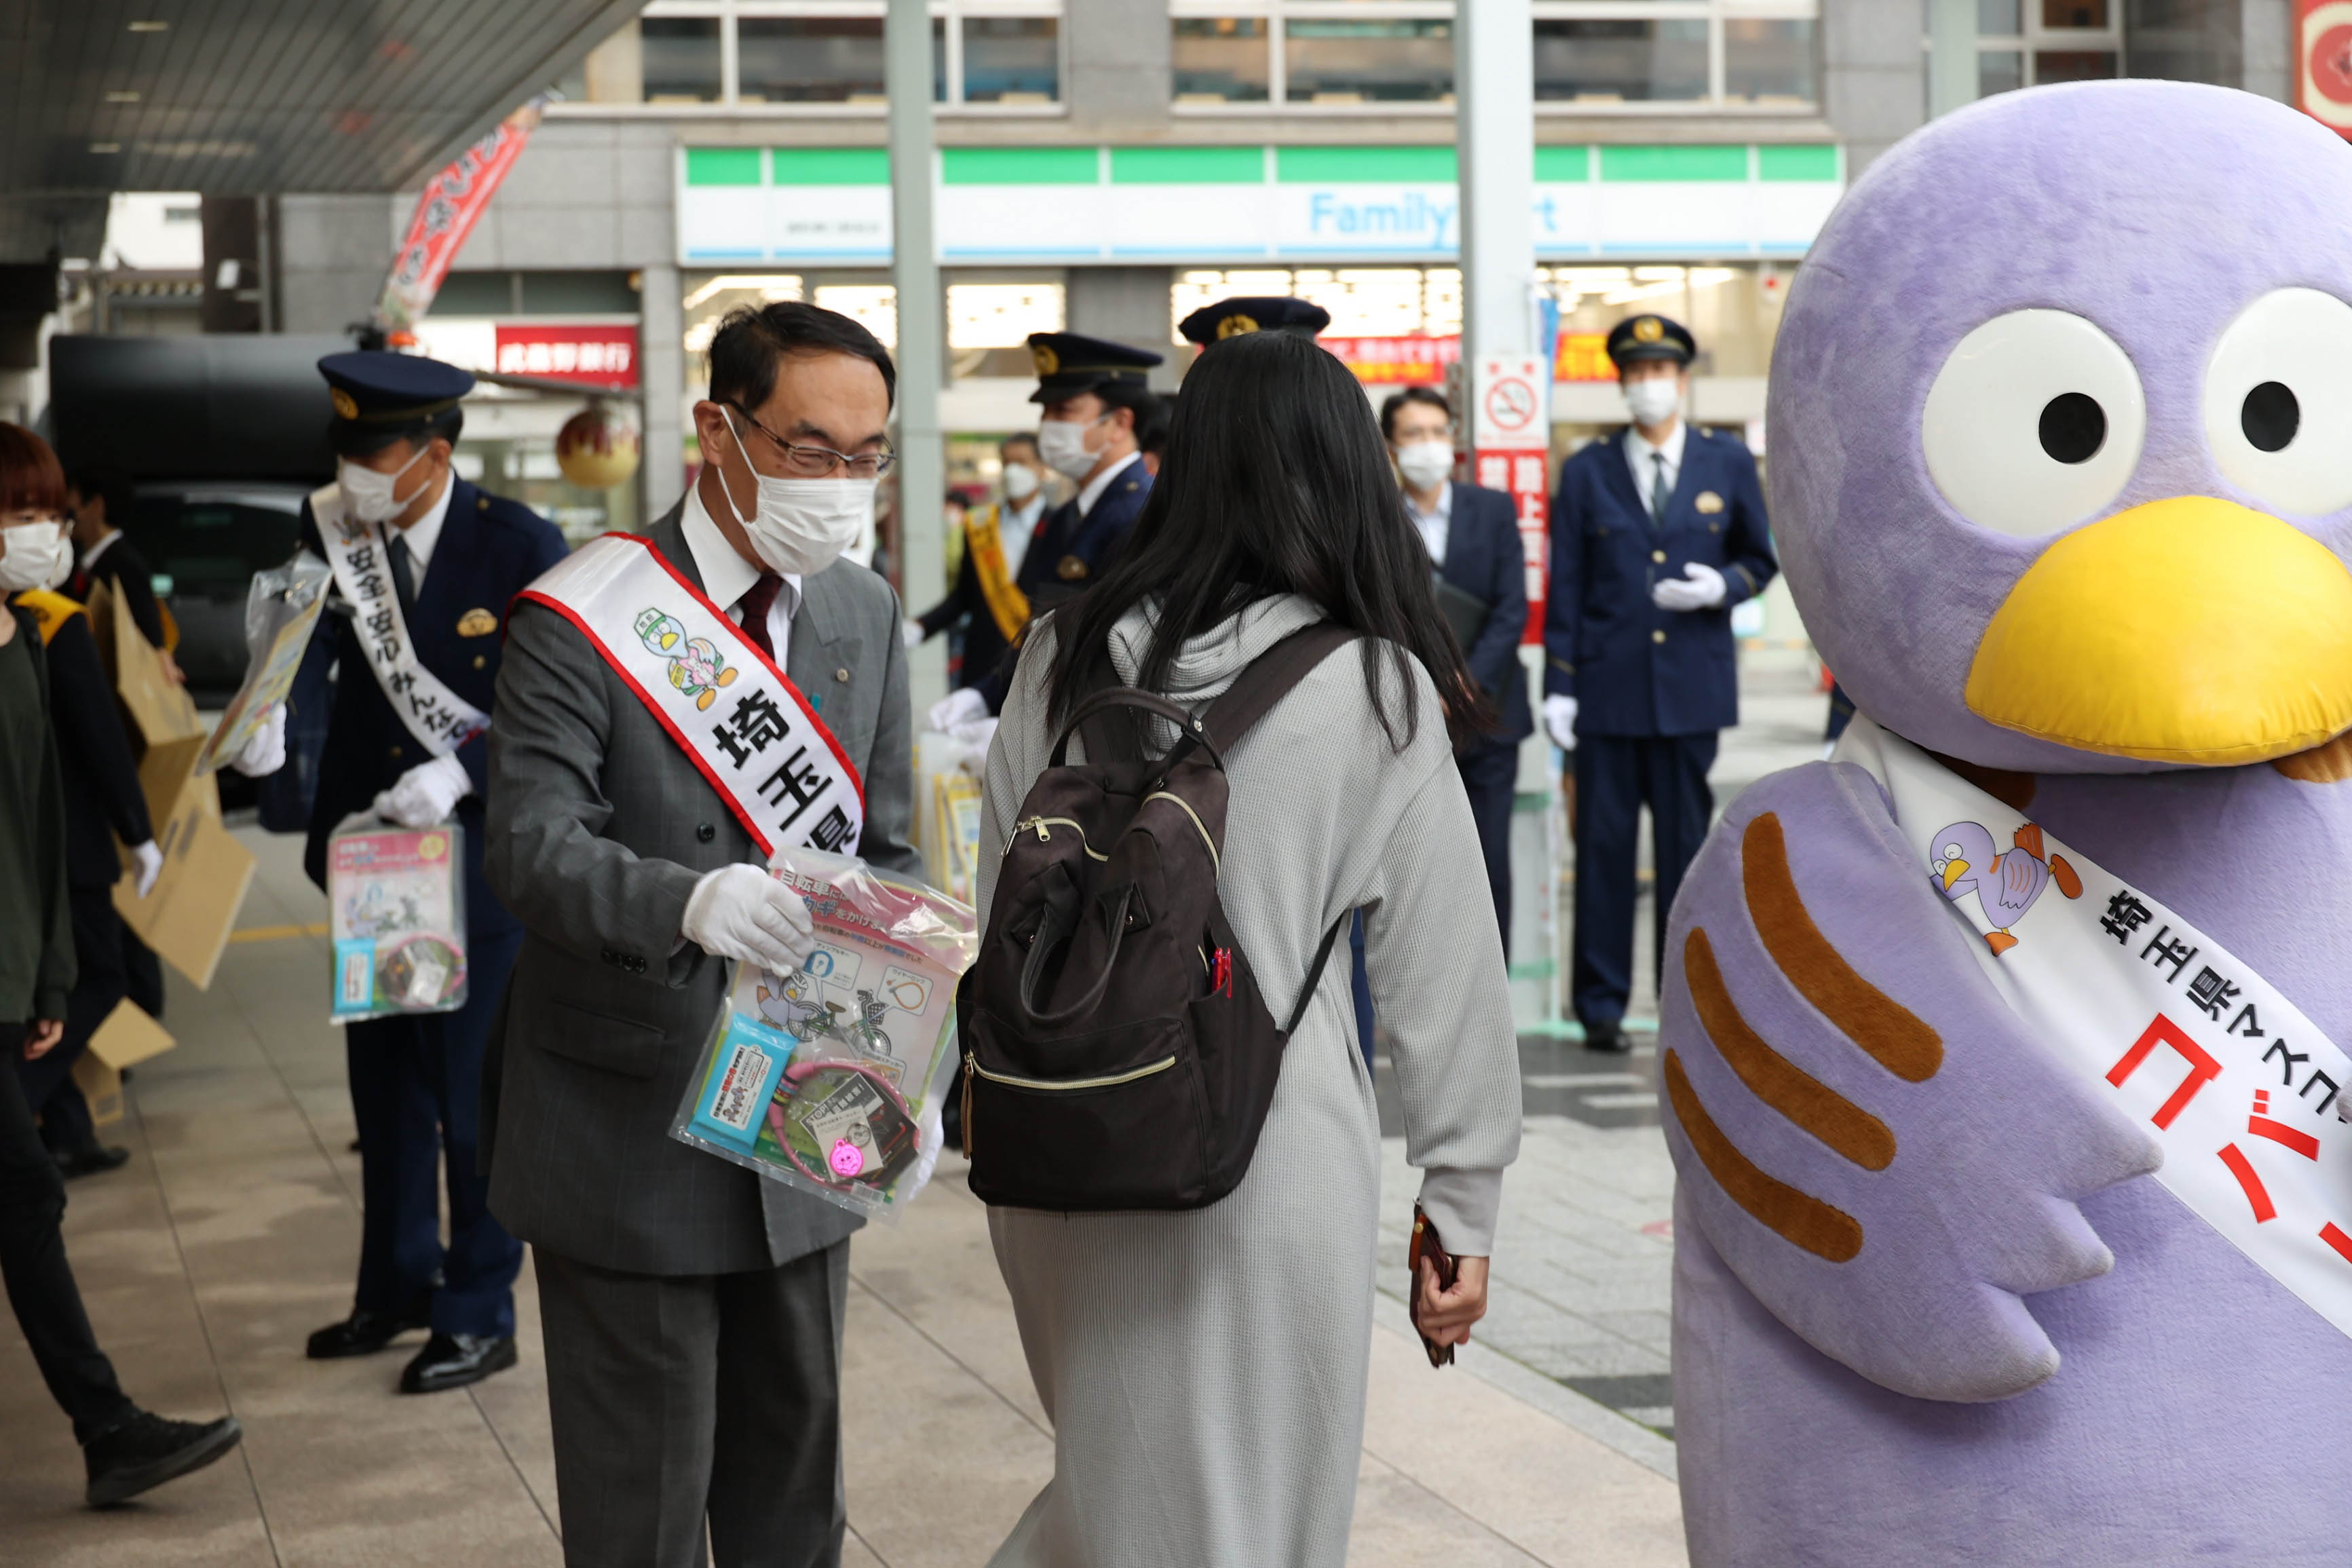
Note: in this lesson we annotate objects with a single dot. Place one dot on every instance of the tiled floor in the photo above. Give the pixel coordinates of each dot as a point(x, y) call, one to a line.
point(232, 1234)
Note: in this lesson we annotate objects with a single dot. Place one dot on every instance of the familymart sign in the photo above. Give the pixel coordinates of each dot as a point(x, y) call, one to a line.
point(1073, 206)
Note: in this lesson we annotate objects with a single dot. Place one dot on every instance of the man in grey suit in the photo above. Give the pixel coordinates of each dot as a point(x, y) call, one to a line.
point(692, 1310)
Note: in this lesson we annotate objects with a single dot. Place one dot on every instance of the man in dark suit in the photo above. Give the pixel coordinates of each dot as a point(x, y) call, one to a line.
point(1656, 534)
point(454, 555)
point(1097, 404)
point(693, 1310)
point(101, 500)
point(1473, 535)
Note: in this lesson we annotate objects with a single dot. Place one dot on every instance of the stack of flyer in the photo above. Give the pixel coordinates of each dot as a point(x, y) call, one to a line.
point(396, 911)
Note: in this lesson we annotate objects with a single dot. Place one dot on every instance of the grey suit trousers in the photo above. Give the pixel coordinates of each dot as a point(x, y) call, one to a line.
point(677, 1397)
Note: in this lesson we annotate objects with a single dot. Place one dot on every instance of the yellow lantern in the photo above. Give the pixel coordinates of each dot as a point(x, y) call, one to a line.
point(597, 448)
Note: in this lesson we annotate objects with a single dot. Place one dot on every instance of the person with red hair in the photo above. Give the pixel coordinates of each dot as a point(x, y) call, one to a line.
point(127, 1450)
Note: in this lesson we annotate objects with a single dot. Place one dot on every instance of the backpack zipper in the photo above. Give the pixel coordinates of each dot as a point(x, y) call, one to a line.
point(1041, 823)
point(1215, 862)
point(1116, 1079)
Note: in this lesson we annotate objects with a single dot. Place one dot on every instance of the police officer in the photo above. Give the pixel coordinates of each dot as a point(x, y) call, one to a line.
point(1656, 534)
point(986, 600)
point(455, 556)
point(1096, 404)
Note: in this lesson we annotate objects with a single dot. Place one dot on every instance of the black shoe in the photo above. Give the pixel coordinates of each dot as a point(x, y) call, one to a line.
point(454, 1360)
point(147, 1450)
point(90, 1159)
point(1608, 1037)
point(364, 1333)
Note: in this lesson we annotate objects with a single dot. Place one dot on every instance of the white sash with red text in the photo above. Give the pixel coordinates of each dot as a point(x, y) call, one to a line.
point(745, 726)
point(2246, 1097)
point(440, 719)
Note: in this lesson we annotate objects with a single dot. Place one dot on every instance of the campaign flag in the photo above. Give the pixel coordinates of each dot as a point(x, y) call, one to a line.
point(446, 213)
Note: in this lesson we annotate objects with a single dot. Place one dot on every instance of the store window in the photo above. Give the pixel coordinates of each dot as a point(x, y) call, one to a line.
point(1597, 56)
point(987, 55)
point(2027, 43)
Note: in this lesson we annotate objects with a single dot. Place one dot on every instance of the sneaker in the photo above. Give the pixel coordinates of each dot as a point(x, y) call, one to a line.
point(147, 1450)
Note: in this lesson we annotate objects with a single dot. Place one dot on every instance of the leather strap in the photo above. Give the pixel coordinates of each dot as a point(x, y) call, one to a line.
point(1315, 974)
point(1268, 679)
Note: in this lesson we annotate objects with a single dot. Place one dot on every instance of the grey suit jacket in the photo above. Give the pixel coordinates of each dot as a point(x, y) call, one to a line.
point(598, 829)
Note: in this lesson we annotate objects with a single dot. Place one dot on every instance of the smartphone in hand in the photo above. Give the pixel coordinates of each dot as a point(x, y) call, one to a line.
point(1425, 1244)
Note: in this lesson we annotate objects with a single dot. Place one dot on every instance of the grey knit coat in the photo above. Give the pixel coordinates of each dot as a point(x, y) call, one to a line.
point(1205, 1371)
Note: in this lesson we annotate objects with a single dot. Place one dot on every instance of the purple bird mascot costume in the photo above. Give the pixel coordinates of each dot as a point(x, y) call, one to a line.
point(2038, 1250)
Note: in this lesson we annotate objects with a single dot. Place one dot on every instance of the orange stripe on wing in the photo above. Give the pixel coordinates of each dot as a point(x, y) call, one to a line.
point(1781, 1083)
point(1797, 1217)
point(1897, 1037)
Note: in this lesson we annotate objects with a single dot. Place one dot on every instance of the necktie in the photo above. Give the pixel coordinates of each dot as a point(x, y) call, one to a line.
point(1660, 492)
point(756, 602)
point(396, 556)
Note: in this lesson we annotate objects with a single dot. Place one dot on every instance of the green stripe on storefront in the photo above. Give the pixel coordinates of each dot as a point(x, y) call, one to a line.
point(1187, 166)
point(1563, 165)
point(1363, 165)
point(832, 166)
point(1797, 163)
point(1658, 165)
point(723, 165)
point(1019, 166)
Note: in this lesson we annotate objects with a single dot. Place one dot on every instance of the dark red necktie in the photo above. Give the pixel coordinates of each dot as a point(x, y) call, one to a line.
point(757, 600)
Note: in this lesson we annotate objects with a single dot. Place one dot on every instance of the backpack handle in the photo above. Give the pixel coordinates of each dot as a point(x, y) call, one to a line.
point(1059, 921)
point(1188, 724)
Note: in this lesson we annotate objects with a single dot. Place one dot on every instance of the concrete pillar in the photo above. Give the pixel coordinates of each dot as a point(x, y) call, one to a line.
point(2267, 42)
point(1127, 305)
point(1874, 87)
point(915, 273)
point(1495, 120)
point(1117, 55)
point(665, 375)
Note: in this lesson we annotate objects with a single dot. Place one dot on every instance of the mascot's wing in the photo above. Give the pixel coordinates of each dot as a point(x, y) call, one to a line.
point(1868, 1135)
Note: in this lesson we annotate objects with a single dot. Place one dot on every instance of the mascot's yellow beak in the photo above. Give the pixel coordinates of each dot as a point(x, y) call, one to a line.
point(2187, 630)
point(1953, 871)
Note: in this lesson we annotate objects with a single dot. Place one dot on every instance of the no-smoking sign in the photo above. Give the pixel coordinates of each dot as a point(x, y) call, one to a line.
point(2324, 62)
point(1508, 403)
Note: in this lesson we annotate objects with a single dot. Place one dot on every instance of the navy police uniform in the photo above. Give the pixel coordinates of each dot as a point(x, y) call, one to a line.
point(1072, 546)
point(415, 1082)
point(1652, 686)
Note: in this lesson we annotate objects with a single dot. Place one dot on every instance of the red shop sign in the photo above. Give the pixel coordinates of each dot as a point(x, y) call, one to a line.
point(598, 356)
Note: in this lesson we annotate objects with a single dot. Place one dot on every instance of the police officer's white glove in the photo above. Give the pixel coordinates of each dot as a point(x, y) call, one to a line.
point(264, 753)
point(1560, 722)
point(742, 912)
point(957, 707)
point(976, 733)
point(912, 632)
point(147, 864)
point(930, 1136)
point(425, 794)
point(1700, 587)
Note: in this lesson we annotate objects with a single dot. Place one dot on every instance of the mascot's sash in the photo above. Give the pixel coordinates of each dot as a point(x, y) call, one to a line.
point(440, 719)
point(736, 716)
point(2246, 1097)
point(1007, 605)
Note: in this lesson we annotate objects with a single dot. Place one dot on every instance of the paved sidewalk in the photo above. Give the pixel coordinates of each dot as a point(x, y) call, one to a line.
point(233, 1232)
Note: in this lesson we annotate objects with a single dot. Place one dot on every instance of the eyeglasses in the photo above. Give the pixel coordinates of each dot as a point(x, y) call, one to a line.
point(819, 462)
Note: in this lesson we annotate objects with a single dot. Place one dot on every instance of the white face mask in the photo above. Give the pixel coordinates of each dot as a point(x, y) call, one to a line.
point(1653, 400)
point(372, 497)
point(1425, 462)
point(1019, 482)
point(1062, 443)
point(801, 526)
point(40, 556)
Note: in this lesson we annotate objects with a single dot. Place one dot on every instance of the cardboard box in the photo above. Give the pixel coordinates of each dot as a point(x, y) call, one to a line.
point(128, 1036)
point(161, 712)
point(189, 915)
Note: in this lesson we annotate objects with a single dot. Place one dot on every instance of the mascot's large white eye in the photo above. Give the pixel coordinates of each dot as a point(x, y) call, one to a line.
point(2278, 400)
point(2034, 421)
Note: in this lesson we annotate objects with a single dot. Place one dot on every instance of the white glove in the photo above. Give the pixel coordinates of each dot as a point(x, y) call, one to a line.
point(1560, 722)
point(955, 708)
point(265, 752)
point(742, 912)
point(912, 630)
point(425, 794)
point(1700, 587)
point(147, 865)
point(929, 1136)
point(976, 733)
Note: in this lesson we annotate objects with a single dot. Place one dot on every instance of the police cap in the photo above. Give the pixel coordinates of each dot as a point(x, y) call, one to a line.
point(1069, 364)
point(380, 398)
point(1254, 313)
point(1650, 337)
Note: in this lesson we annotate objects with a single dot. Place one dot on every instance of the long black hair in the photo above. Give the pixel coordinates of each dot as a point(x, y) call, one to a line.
point(1275, 481)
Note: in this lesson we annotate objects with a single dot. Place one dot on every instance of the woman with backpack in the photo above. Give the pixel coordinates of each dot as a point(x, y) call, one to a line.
point(1184, 1178)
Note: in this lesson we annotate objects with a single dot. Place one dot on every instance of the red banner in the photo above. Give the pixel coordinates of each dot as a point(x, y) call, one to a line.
point(593, 356)
point(446, 213)
point(1396, 361)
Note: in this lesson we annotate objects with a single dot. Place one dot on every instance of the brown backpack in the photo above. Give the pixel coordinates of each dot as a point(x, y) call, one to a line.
point(1117, 1054)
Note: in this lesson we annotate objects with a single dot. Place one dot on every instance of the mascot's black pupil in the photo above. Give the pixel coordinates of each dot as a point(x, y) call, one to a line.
point(2073, 428)
point(2270, 416)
